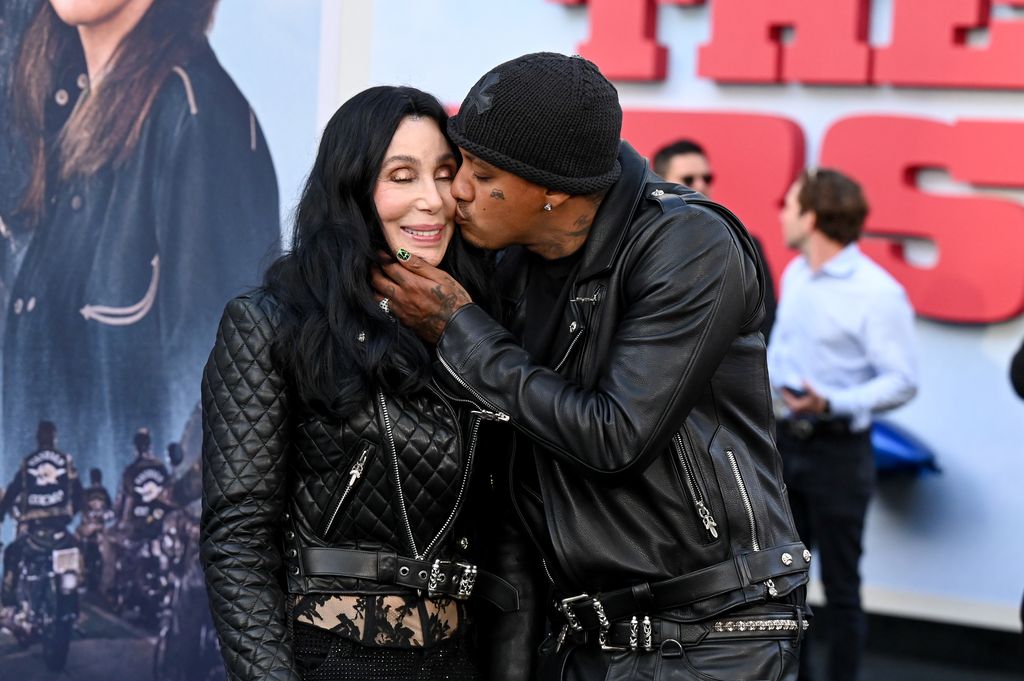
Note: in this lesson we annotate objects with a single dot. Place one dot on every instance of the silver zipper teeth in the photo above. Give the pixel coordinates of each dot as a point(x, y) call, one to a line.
point(698, 498)
point(568, 350)
point(462, 487)
point(746, 498)
point(351, 483)
point(398, 476)
point(438, 390)
point(499, 415)
point(547, 571)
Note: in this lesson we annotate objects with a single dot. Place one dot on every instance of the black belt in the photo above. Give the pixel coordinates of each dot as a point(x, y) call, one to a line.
point(750, 572)
point(805, 428)
point(647, 634)
point(438, 578)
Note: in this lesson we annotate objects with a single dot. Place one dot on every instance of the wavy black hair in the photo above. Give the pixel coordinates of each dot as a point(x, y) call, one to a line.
point(333, 341)
point(105, 126)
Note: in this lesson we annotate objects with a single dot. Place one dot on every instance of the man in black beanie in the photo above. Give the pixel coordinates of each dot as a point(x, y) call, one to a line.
point(629, 376)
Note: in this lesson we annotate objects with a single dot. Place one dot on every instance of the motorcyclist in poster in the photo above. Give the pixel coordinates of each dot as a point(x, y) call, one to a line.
point(151, 198)
point(140, 506)
point(45, 494)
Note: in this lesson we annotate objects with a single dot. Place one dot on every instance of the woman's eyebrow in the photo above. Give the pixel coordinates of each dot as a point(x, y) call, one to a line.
point(403, 158)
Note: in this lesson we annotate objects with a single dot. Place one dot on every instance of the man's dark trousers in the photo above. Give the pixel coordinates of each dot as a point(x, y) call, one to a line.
point(831, 476)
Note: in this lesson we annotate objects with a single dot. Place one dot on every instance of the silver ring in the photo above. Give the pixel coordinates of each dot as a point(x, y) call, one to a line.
point(385, 305)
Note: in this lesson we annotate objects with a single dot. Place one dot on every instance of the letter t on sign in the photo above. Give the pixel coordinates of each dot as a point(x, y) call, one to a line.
point(623, 37)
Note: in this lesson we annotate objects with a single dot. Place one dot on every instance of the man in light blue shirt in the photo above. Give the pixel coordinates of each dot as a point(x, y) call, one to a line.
point(841, 350)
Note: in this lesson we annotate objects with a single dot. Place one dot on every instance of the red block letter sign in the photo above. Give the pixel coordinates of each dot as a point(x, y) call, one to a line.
point(623, 37)
point(755, 159)
point(829, 46)
point(929, 46)
point(978, 277)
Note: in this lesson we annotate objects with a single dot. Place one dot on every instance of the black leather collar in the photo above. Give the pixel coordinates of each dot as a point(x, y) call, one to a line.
point(614, 215)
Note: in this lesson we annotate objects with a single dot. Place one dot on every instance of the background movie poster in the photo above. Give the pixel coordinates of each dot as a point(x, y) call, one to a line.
point(136, 198)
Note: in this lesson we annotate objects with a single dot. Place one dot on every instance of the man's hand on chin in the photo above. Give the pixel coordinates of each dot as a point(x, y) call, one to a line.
point(421, 296)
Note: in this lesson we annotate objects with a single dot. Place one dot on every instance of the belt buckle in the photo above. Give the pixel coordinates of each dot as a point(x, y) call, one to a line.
point(467, 580)
point(565, 607)
point(605, 625)
point(464, 576)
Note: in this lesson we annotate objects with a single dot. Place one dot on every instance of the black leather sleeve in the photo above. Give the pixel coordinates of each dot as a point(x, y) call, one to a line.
point(687, 292)
point(244, 446)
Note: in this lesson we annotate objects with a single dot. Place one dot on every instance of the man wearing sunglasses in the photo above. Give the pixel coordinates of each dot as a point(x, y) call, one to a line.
point(685, 162)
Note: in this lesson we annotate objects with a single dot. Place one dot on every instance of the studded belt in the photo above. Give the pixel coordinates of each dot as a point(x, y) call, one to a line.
point(644, 634)
point(749, 574)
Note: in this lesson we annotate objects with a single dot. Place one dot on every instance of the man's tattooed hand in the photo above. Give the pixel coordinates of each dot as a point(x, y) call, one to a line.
point(420, 296)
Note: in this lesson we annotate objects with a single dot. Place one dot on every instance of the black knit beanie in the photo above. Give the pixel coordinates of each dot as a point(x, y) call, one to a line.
point(548, 118)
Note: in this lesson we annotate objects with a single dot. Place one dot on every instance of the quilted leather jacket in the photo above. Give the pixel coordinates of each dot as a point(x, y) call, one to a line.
point(281, 483)
point(647, 451)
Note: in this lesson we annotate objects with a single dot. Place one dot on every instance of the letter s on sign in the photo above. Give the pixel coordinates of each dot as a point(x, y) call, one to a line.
point(978, 277)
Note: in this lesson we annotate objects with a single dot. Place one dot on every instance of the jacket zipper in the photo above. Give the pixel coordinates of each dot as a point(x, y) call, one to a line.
point(710, 526)
point(354, 474)
point(402, 511)
point(491, 412)
point(474, 432)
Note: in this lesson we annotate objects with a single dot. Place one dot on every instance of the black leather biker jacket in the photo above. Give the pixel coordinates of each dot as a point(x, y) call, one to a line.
point(652, 437)
point(279, 481)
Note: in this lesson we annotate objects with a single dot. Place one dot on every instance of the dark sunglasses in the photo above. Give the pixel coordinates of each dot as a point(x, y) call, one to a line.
point(688, 180)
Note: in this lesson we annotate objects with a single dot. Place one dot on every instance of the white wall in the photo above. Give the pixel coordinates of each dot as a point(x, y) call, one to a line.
point(272, 50)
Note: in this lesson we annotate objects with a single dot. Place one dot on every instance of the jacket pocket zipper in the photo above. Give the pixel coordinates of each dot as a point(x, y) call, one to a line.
point(572, 344)
point(354, 474)
point(696, 495)
point(746, 498)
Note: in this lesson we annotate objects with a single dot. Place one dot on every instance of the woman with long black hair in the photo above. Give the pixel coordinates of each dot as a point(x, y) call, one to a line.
point(335, 467)
point(151, 198)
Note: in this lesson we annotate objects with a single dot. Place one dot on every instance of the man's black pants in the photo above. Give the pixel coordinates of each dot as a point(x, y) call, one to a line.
point(831, 477)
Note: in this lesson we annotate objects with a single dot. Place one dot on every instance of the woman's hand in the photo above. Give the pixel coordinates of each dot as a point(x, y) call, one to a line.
point(421, 296)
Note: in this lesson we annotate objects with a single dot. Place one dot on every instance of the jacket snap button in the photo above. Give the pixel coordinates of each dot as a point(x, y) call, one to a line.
point(61, 97)
point(464, 543)
point(572, 327)
point(807, 556)
point(31, 304)
point(787, 559)
point(76, 202)
point(82, 81)
point(289, 535)
point(19, 304)
point(292, 553)
point(657, 192)
point(295, 570)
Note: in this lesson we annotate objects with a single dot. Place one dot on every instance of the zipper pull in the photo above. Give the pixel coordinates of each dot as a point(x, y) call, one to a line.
point(357, 468)
point(709, 523)
point(772, 591)
point(488, 415)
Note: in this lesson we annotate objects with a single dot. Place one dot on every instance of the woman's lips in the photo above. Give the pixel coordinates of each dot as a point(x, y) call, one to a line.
point(424, 233)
